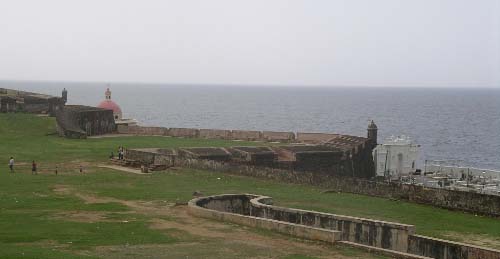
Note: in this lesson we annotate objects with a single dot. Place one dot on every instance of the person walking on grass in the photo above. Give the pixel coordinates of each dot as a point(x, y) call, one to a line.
point(33, 168)
point(11, 164)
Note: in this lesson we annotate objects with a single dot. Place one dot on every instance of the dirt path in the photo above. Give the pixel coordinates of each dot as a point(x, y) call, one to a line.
point(168, 216)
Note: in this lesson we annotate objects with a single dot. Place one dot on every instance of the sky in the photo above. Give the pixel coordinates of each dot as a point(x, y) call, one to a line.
point(393, 43)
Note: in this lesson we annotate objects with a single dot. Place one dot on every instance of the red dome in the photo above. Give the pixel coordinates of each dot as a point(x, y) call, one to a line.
point(110, 105)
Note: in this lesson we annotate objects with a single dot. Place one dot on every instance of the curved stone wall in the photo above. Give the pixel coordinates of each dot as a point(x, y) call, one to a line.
point(235, 208)
point(394, 239)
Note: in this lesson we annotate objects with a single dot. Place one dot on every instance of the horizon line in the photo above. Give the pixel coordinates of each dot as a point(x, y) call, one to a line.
point(248, 85)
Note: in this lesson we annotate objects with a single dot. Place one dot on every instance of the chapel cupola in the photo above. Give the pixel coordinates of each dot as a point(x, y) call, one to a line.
point(109, 104)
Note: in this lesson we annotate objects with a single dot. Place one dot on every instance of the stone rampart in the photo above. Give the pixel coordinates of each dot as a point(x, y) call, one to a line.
point(445, 249)
point(215, 134)
point(274, 136)
point(449, 199)
point(306, 137)
point(338, 179)
point(235, 209)
point(248, 135)
point(77, 121)
point(256, 211)
point(393, 239)
point(34, 102)
point(381, 234)
point(153, 131)
point(183, 132)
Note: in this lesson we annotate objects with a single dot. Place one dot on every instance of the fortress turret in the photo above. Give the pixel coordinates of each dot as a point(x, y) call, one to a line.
point(372, 133)
point(64, 95)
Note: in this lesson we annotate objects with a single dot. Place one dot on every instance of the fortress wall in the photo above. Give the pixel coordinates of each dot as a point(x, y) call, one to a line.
point(124, 129)
point(439, 248)
point(241, 209)
point(77, 121)
point(8, 104)
point(449, 199)
point(278, 136)
point(215, 134)
point(235, 208)
point(314, 137)
point(183, 132)
point(142, 156)
point(248, 135)
point(381, 234)
point(152, 131)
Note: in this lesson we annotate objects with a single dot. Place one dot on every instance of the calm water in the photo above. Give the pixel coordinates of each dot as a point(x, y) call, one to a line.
point(459, 124)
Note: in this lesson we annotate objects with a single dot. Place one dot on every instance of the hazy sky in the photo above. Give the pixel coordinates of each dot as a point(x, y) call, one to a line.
point(277, 42)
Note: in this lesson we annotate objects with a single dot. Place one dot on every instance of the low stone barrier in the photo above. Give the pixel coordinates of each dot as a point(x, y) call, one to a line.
point(250, 210)
point(381, 234)
point(234, 208)
point(393, 239)
point(445, 249)
point(215, 134)
point(152, 131)
point(315, 137)
point(449, 199)
point(275, 136)
point(183, 132)
point(245, 135)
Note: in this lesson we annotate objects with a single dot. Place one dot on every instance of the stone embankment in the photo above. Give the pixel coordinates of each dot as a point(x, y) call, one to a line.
point(306, 172)
point(389, 238)
point(247, 135)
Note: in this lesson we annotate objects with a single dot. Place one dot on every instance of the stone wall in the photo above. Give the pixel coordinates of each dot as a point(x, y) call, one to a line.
point(390, 238)
point(314, 137)
point(445, 249)
point(76, 121)
point(313, 159)
point(274, 136)
point(33, 102)
point(235, 208)
point(248, 135)
point(381, 234)
point(8, 104)
point(183, 132)
point(215, 134)
point(449, 199)
point(251, 210)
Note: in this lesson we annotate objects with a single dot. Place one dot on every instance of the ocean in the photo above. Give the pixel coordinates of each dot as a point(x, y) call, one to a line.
point(449, 123)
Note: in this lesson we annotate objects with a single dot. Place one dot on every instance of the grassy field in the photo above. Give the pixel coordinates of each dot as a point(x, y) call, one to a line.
point(112, 214)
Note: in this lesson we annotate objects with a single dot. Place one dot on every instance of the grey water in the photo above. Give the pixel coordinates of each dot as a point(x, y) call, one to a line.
point(448, 123)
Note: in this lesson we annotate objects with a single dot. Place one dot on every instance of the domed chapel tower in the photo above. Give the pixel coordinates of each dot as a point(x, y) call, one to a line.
point(372, 133)
point(108, 104)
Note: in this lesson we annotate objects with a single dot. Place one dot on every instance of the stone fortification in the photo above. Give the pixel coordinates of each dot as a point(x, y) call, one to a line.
point(21, 101)
point(77, 121)
point(214, 134)
point(296, 158)
point(393, 239)
point(337, 178)
point(248, 135)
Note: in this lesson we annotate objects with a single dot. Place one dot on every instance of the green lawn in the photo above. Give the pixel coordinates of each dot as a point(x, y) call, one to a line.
point(27, 137)
point(31, 225)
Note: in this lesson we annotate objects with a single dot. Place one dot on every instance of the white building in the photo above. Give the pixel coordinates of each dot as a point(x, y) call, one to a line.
point(396, 157)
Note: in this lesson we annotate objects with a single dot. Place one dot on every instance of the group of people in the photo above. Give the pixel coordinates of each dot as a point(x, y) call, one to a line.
point(33, 166)
point(121, 153)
